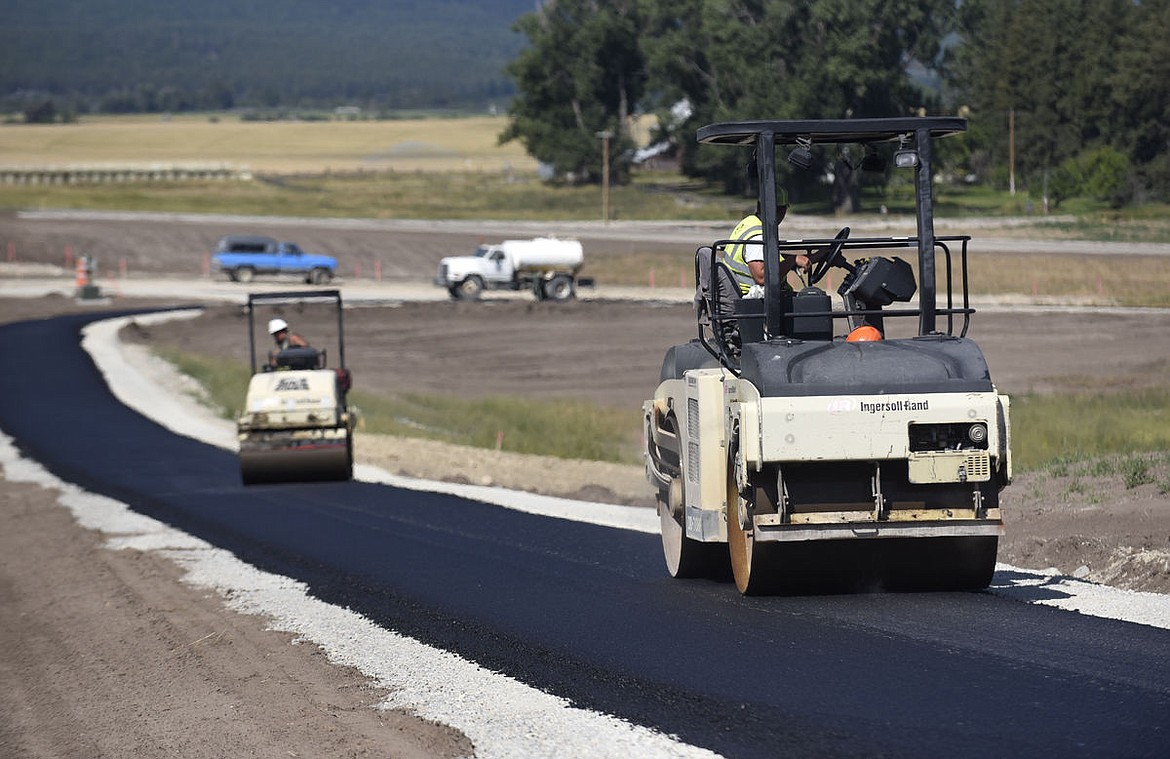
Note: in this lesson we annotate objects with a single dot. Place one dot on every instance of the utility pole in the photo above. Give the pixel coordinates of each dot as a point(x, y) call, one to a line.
point(1012, 150)
point(605, 136)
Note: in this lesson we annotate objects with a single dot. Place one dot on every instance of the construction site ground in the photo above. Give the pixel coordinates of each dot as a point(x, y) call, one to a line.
point(108, 655)
point(608, 352)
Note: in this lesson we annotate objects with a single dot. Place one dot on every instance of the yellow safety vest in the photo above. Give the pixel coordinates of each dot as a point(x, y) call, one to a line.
point(749, 228)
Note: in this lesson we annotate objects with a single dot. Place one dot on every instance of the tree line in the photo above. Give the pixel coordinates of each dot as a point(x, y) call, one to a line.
point(61, 58)
point(1064, 97)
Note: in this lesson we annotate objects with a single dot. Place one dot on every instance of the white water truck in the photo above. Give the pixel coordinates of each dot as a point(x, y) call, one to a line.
point(547, 266)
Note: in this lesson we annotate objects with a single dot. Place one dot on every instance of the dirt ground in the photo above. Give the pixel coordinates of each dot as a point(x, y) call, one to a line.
point(106, 654)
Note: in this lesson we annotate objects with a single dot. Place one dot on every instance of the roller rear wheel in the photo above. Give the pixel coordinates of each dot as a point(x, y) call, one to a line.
point(754, 566)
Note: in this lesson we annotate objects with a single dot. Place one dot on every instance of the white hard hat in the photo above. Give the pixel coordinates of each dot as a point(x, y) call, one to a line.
point(276, 325)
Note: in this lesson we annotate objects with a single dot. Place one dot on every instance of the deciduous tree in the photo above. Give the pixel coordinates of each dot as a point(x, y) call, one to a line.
point(582, 74)
point(785, 59)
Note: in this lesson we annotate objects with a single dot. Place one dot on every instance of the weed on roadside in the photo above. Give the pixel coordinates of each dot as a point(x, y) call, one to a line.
point(1135, 471)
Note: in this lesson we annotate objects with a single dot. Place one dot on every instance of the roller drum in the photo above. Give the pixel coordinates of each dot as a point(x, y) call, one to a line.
point(877, 564)
point(320, 461)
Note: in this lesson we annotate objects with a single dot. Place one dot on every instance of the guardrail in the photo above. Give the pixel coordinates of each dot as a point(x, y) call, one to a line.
point(122, 172)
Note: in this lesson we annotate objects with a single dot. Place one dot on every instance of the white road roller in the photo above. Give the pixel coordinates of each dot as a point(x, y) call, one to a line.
point(800, 446)
point(296, 425)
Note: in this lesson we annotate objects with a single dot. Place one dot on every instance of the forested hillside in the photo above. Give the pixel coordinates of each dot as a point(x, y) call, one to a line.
point(149, 55)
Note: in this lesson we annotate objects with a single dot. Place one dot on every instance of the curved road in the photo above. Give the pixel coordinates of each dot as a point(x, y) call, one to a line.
point(588, 613)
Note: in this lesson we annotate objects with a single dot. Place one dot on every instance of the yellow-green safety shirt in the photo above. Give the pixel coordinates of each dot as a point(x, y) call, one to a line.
point(749, 228)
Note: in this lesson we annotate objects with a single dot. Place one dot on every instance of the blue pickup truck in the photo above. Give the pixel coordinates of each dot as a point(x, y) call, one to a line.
point(242, 257)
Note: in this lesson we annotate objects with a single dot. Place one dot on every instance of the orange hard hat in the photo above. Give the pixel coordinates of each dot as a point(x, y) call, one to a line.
point(864, 333)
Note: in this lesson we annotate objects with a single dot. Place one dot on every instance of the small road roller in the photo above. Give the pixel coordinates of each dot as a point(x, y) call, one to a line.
point(296, 425)
point(798, 445)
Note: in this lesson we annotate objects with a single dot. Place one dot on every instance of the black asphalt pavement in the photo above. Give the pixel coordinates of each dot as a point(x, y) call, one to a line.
point(590, 614)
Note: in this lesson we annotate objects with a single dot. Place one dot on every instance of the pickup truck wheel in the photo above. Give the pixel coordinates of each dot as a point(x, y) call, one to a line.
point(319, 277)
point(559, 288)
point(470, 288)
point(244, 274)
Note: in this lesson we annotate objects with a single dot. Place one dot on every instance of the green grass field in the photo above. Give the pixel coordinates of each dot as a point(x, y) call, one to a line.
point(385, 195)
point(1051, 430)
point(564, 429)
point(1048, 431)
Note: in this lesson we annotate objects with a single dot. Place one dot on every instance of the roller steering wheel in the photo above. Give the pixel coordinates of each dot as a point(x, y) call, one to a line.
point(826, 257)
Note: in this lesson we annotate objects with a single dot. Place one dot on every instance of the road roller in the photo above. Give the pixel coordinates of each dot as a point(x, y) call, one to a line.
point(296, 425)
point(802, 443)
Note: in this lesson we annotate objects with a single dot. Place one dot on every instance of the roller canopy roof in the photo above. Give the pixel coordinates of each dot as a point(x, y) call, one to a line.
point(822, 131)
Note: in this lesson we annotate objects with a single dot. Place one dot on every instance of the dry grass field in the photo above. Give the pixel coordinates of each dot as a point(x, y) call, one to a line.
point(454, 168)
point(287, 147)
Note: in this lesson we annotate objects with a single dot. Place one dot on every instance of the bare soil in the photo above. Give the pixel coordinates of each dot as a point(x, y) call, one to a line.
point(107, 654)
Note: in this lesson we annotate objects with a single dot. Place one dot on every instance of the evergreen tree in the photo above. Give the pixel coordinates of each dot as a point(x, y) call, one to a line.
point(1086, 83)
point(1139, 96)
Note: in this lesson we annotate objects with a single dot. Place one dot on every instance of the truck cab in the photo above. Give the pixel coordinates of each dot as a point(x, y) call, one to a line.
point(492, 263)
